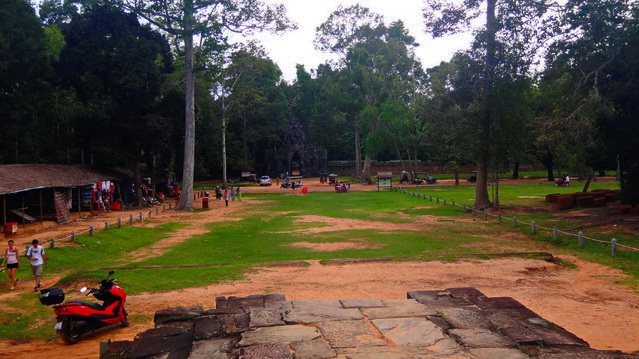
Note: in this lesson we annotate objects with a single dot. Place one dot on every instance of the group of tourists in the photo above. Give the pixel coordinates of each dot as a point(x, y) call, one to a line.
point(342, 187)
point(228, 195)
point(36, 256)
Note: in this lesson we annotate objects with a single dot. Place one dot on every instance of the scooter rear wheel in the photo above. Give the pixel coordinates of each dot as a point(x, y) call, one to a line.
point(68, 333)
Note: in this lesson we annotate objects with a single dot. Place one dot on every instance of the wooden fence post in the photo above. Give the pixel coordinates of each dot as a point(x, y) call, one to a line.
point(613, 247)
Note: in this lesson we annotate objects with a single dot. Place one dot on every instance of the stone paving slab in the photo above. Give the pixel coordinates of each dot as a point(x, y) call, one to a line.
point(496, 303)
point(265, 317)
point(362, 303)
point(466, 318)
point(266, 351)
point(481, 338)
point(501, 353)
point(361, 333)
point(571, 352)
point(163, 340)
point(308, 314)
point(279, 334)
point(211, 349)
point(454, 297)
point(314, 304)
point(372, 353)
point(396, 309)
point(207, 327)
point(409, 331)
point(316, 348)
point(454, 323)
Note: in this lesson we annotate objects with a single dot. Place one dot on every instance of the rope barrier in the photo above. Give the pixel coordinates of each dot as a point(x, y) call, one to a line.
point(91, 230)
point(534, 226)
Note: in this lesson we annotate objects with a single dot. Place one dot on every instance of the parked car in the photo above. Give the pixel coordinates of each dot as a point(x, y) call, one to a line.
point(265, 181)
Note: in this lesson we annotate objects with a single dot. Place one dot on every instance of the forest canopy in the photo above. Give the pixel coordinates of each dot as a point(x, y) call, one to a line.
point(544, 84)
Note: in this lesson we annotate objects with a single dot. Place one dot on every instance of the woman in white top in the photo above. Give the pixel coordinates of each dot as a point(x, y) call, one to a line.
point(12, 261)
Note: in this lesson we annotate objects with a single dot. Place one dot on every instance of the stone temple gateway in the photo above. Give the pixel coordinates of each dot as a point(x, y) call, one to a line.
point(300, 157)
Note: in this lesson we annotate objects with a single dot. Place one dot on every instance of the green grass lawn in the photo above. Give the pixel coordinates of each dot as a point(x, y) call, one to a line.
point(232, 248)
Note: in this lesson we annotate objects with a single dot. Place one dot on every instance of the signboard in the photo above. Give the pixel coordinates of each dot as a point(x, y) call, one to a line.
point(386, 182)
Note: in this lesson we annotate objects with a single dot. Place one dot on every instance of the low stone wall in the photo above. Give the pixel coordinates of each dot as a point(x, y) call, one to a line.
point(450, 323)
point(396, 167)
point(595, 198)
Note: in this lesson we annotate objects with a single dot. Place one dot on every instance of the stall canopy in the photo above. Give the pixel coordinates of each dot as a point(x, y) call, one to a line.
point(25, 188)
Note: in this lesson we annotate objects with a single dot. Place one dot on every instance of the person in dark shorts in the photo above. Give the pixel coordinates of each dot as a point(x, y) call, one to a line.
point(12, 261)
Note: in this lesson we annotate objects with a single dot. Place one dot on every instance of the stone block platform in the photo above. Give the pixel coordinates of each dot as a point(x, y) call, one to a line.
point(452, 323)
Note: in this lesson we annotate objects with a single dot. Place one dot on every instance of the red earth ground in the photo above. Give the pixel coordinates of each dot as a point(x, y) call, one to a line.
point(588, 301)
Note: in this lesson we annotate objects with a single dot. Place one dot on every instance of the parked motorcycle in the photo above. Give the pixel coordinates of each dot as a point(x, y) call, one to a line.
point(77, 317)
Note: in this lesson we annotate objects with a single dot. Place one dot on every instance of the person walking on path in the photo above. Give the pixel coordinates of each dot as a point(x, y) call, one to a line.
point(12, 261)
point(232, 194)
point(38, 258)
point(238, 194)
point(226, 197)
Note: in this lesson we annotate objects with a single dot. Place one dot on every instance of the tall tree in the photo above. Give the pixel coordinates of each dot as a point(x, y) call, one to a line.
point(339, 33)
point(449, 106)
point(508, 42)
point(24, 72)
point(599, 46)
point(116, 67)
point(259, 111)
point(378, 67)
point(206, 19)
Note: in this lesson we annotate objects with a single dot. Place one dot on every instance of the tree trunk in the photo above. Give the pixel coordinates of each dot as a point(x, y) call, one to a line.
point(136, 181)
point(591, 175)
point(495, 181)
point(186, 195)
point(358, 155)
point(516, 171)
point(224, 176)
point(366, 171)
point(481, 188)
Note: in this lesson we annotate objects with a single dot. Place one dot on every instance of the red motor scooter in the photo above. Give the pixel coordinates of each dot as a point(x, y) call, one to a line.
point(77, 317)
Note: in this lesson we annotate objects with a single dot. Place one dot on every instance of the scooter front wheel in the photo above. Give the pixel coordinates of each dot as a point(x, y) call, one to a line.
point(67, 333)
point(125, 319)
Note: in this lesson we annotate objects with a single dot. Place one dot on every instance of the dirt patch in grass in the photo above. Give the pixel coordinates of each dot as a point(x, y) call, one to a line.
point(334, 246)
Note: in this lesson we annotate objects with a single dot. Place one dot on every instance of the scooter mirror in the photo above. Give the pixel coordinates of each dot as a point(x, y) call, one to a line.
point(83, 289)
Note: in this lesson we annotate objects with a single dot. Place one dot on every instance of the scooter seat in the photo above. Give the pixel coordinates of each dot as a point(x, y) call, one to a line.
point(96, 306)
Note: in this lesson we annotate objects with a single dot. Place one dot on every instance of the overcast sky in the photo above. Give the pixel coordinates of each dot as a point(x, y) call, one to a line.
point(296, 47)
